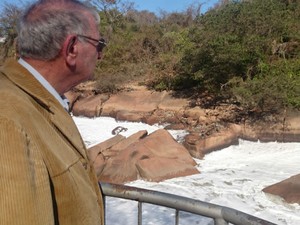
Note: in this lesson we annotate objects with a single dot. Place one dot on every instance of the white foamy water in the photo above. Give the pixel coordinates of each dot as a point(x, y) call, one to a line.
point(232, 177)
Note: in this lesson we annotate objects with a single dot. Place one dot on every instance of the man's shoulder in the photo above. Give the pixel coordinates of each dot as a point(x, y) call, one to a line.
point(14, 101)
point(9, 91)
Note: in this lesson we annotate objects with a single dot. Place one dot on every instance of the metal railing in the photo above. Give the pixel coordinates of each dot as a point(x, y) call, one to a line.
point(220, 214)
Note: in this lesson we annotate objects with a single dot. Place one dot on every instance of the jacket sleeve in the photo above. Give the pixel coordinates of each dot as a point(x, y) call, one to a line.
point(25, 194)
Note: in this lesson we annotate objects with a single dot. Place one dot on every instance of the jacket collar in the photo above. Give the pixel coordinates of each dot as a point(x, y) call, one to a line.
point(43, 81)
point(58, 115)
point(26, 81)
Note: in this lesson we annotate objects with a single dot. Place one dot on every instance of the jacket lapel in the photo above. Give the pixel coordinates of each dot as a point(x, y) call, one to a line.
point(66, 126)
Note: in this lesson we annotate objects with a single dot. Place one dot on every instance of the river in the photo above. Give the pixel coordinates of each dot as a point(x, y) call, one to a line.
point(232, 177)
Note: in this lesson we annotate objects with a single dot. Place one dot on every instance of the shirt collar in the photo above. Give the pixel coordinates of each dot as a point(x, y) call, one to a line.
point(62, 99)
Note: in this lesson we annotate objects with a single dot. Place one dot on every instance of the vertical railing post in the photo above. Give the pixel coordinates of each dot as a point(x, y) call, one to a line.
point(140, 211)
point(104, 208)
point(220, 221)
point(176, 217)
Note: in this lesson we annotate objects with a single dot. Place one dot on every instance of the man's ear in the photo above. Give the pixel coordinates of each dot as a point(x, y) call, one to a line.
point(70, 50)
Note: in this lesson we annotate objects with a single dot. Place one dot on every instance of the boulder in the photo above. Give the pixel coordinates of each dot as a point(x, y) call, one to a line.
point(292, 128)
point(72, 96)
point(153, 157)
point(198, 145)
point(133, 101)
point(90, 106)
point(288, 189)
point(96, 153)
point(169, 103)
point(129, 116)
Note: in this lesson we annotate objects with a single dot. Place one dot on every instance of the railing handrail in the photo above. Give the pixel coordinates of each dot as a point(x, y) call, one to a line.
point(222, 215)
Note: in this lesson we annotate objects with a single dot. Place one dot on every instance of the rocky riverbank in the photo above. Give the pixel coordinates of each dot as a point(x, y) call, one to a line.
point(209, 130)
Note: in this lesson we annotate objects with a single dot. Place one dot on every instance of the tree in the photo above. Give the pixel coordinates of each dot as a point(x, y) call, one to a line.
point(112, 11)
point(8, 23)
point(233, 42)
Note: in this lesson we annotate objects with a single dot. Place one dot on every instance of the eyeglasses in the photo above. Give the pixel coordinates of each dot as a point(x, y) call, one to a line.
point(101, 42)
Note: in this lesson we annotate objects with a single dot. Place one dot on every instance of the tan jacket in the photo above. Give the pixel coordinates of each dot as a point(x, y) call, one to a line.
point(45, 176)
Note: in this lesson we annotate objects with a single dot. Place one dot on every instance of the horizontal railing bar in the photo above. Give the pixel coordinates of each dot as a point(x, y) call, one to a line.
point(198, 207)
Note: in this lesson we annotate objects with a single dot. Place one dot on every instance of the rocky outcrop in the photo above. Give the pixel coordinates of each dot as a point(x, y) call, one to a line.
point(199, 146)
point(288, 189)
point(208, 128)
point(153, 157)
point(149, 157)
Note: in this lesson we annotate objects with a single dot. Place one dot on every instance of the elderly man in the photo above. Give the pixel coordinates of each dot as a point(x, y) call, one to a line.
point(45, 175)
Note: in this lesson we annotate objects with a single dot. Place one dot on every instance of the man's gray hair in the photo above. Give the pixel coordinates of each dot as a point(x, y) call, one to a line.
point(45, 25)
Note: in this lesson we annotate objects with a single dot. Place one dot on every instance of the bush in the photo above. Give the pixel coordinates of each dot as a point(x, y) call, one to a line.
point(275, 87)
point(232, 55)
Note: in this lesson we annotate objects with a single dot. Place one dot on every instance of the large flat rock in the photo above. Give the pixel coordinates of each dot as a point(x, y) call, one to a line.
point(154, 157)
point(288, 189)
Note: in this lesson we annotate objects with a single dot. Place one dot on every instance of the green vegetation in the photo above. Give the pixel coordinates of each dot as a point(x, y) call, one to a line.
point(247, 52)
point(243, 52)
